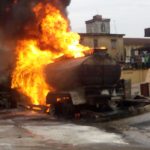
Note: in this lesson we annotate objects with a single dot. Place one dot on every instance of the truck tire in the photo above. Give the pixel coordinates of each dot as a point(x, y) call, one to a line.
point(68, 110)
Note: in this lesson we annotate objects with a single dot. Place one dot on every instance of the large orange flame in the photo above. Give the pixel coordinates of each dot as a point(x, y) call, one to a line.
point(33, 54)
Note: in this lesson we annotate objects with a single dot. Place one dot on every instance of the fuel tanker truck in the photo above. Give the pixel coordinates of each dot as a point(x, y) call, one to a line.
point(91, 82)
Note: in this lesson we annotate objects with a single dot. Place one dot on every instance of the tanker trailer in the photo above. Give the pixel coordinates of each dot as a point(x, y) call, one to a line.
point(89, 81)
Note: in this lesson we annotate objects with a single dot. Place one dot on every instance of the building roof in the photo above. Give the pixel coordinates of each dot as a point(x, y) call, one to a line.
point(101, 34)
point(147, 28)
point(97, 18)
point(137, 41)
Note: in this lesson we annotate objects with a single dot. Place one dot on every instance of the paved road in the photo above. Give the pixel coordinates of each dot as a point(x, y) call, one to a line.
point(33, 131)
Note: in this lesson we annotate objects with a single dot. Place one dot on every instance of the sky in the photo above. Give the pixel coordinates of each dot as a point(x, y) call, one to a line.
point(129, 17)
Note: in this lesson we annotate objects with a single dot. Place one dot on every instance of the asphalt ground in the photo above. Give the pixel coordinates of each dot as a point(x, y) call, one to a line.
point(28, 130)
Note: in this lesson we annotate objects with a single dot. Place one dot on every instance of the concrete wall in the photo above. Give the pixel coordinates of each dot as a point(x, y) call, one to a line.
point(98, 27)
point(117, 52)
point(136, 76)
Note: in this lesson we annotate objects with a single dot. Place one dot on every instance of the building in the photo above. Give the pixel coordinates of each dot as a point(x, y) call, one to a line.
point(98, 35)
point(113, 42)
point(136, 49)
point(147, 32)
point(98, 25)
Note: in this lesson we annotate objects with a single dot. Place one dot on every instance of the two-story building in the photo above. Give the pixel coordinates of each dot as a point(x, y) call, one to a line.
point(98, 35)
point(113, 43)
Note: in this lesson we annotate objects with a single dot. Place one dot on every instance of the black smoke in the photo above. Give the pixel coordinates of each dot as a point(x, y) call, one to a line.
point(16, 15)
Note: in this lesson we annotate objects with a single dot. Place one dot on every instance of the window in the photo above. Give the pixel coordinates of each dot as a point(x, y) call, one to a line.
point(103, 28)
point(81, 40)
point(95, 43)
point(113, 43)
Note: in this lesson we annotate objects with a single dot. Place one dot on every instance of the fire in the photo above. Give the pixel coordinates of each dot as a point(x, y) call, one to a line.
point(51, 42)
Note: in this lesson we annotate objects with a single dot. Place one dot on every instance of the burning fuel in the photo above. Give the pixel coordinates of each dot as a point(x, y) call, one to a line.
point(47, 39)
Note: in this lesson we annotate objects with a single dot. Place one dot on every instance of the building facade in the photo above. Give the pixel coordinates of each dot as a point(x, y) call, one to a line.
point(98, 25)
point(98, 35)
point(136, 49)
point(113, 43)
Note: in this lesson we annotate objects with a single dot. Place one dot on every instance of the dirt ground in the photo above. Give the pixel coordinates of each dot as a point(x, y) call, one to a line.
point(28, 130)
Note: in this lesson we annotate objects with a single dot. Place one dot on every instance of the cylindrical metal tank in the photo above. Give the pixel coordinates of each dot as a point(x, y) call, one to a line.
point(94, 70)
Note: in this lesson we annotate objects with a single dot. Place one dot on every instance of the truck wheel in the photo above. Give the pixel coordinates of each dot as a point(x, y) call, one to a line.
point(68, 110)
point(52, 111)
